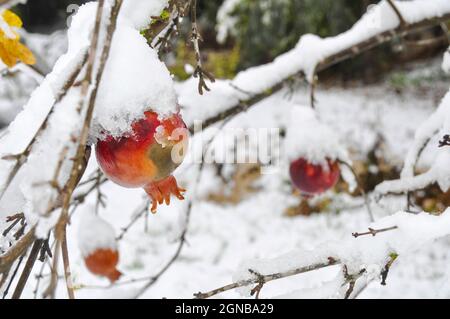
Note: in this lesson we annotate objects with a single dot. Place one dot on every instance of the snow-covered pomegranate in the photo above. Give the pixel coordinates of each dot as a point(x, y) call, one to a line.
point(147, 157)
point(313, 152)
point(103, 262)
point(98, 246)
point(313, 179)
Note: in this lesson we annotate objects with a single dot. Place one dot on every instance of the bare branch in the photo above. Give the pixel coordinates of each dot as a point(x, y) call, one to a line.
point(267, 278)
point(21, 158)
point(200, 71)
point(386, 269)
point(361, 190)
point(13, 276)
point(328, 62)
point(403, 22)
point(14, 220)
point(51, 288)
point(27, 269)
point(66, 262)
point(154, 279)
point(141, 211)
point(374, 232)
point(78, 168)
point(351, 279)
point(8, 258)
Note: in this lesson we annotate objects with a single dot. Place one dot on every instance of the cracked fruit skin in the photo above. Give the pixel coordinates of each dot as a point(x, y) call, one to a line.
point(147, 157)
point(103, 262)
point(314, 179)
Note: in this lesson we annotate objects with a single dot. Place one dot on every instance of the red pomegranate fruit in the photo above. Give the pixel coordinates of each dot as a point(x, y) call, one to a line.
point(313, 179)
point(103, 262)
point(147, 157)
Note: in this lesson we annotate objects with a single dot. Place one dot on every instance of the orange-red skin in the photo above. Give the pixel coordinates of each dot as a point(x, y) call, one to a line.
point(103, 262)
point(313, 179)
point(138, 160)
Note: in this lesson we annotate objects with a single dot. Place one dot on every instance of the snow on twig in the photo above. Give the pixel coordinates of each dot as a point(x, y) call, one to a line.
point(367, 254)
point(312, 54)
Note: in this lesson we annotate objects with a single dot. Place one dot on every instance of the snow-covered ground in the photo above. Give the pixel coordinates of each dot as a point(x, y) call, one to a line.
point(221, 237)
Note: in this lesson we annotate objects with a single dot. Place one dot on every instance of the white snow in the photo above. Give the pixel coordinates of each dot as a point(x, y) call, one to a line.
point(132, 64)
point(220, 237)
point(139, 13)
point(310, 139)
point(414, 231)
point(446, 62)
point(225, 21)
point(34, 178)
point(310, 51)
point(95, 233)
point(436, 124)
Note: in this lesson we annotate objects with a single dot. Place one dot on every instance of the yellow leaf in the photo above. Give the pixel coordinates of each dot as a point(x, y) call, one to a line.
point(11, 50)
point(12, 19)
point(9, 60)
point(25, 55)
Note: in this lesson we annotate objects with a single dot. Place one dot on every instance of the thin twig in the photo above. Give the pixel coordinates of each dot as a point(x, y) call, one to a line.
point(312, 88)
point(161, 41)
point(200, 71)
point(182, 242)
point(17, 250)
point(374, 232)
point(267, 278)
point(77, 169)
point(51, 288)
point(345, 54)
point(361, 189)
point(257, 290)
point(15, 219)
point(39, 276)
point(386, 269)
point(444, 28)
point(141, 211)
point(66, 262)
point(21, 158)
point(13, 276)
point(27, 269)
point(402, 20)
point(351, 279)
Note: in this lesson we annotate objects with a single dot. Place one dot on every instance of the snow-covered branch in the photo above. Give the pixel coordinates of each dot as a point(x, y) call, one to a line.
point(259, 278)
point(8, 258)
point(437, 124)
point(370, 257)
point(311, 55)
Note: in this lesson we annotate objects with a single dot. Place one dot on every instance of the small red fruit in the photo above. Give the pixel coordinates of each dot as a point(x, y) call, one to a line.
point(103, 262)
point(314, 179)
point(147, 157)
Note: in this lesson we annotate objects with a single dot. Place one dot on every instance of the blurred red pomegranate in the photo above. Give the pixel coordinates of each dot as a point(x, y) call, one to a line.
point(314, 179)
point(103, 262)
